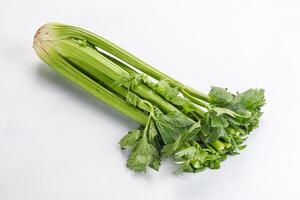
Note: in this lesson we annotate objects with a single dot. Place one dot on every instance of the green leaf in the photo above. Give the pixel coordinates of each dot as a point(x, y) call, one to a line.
point(155, 163)
point(241, 147)
point(185, 167)
point(220, 96)
point(248, 105)
point(240, 110)
point(154, 136)
point(142, 156)
point(153, 132)
point(144, 147)
point(132, 98)
point(193, 158)
point(171, 124)
point(168, 150)
point(215, 134)
point(187, 152)
point(129, 140)
point(191, 133)
point(188, 135)
point(196, 164)
point(218, 121)
point(166, 90)
point(250, 99)
point(133, 80)
point(171, 94)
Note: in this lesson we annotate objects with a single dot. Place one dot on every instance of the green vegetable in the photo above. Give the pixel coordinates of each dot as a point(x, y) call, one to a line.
point(197, 130)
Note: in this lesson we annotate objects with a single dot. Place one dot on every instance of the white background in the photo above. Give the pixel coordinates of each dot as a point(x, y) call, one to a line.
point(59, 143)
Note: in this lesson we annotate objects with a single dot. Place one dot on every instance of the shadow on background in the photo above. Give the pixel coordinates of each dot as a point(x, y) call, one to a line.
point(49, 77)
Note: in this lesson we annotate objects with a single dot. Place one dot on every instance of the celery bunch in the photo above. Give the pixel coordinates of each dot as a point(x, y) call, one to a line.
point(197, 130)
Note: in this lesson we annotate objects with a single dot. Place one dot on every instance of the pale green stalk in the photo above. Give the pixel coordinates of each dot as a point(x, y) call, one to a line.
point(62, 66)
point(71, 31)
point(94, 62)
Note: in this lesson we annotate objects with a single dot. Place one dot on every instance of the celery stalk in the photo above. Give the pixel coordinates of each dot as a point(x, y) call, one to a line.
point(62, 66)
point(171, 115)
